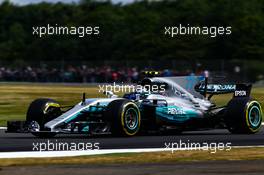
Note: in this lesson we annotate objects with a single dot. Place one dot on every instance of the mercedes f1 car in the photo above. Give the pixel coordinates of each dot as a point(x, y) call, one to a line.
point(163, 104)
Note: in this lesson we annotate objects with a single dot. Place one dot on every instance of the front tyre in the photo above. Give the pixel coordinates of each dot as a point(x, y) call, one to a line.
point(244, 116)
point(41, 111)
point(124, 117)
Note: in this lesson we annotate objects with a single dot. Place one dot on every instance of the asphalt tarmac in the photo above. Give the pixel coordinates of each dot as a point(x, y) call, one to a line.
point(10, 142)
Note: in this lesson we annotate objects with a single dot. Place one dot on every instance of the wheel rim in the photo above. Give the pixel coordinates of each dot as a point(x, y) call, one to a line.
point(34, 126)
point(131, 118)
point(254, 116)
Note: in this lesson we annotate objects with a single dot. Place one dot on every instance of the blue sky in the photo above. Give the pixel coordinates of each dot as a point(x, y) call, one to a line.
point(23, 2)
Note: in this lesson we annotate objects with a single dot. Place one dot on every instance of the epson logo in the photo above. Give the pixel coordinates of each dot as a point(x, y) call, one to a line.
point(240, 93)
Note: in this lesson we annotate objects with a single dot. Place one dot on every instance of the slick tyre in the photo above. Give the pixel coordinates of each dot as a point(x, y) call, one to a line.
point(243, 116)
point(124, 117)
point(41, 111)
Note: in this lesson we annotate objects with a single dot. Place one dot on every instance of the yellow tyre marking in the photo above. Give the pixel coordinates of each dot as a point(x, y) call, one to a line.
point(122, 118)
point(56, 105)
point(247, 113)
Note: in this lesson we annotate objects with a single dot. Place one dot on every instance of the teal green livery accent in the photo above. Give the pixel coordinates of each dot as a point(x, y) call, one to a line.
point(85, 129)
point(90, 109)
point(175, 114)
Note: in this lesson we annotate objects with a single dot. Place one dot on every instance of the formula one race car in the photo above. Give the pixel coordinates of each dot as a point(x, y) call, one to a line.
point(157, 104)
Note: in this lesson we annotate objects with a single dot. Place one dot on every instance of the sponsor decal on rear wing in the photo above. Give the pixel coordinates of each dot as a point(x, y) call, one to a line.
point(239, 90)
point(216, 88)
point(242, 90)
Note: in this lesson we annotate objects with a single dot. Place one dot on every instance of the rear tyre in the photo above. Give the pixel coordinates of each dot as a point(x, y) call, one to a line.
point(41, 111)
point(243, 116)
point(124, 117)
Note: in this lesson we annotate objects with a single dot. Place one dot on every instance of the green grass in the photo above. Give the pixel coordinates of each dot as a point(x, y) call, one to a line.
point(15, 98)
point(143, 158)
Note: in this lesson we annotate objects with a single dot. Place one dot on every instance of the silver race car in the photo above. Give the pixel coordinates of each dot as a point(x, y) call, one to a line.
point(163, 104)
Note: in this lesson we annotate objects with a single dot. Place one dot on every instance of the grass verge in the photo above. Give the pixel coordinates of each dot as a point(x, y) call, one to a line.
point(15, 98)
point(143, 158)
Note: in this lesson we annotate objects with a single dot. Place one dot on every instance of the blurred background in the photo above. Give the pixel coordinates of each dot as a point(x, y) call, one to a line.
point(131, 40)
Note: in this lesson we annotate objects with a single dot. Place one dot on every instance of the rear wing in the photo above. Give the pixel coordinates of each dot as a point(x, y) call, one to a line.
point(215, 88)
point(243, 90)
point(239, 90)
point(199, 87)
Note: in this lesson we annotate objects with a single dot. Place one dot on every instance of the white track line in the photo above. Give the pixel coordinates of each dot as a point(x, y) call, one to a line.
point(37, 154)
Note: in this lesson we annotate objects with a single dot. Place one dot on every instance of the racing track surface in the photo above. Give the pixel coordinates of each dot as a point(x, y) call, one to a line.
point(24, 142)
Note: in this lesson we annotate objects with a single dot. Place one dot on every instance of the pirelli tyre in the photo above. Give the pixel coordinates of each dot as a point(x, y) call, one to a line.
point(243, 116)
point(41, 111)
point(124, 117)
